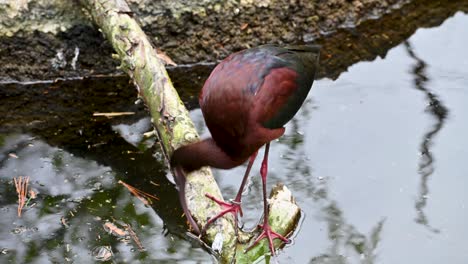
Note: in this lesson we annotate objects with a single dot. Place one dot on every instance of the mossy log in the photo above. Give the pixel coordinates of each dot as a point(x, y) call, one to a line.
point(174, 128)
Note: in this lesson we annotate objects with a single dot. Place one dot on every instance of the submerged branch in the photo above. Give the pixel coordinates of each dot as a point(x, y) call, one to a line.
point(174, 127)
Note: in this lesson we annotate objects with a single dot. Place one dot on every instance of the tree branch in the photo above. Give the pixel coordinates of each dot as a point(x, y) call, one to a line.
point(175, 128)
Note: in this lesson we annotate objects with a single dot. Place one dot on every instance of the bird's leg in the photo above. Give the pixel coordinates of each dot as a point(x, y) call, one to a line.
point(266, 229)
point(233, 206)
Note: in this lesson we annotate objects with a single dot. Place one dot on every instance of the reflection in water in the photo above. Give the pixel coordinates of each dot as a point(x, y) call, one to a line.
point(77, 194)
point(76, 167)
point(295, 154)
point(346, 239)
point(437, 109)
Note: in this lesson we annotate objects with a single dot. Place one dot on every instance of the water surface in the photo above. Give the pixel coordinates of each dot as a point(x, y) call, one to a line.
point(376, 160)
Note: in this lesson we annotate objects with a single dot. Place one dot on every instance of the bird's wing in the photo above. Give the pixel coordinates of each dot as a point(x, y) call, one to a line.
point(267, 84)
point(288, 82)
point(225, 101)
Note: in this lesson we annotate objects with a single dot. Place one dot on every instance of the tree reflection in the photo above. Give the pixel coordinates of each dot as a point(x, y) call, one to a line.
point(77, 194)
point(347, 242)
point(437, 110)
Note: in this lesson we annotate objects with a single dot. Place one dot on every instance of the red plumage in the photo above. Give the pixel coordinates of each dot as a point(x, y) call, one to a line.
point(246, 101)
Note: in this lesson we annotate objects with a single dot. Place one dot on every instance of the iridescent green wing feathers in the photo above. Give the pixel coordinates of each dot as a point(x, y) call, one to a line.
point(303, 60)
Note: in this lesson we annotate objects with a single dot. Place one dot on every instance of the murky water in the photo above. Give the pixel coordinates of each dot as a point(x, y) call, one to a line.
point(376, 159)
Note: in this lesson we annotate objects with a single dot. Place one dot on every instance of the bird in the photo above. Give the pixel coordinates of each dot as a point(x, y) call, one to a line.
point(246, 101)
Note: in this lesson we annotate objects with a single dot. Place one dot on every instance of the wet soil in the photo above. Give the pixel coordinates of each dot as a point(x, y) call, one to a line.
point(339, 51)
point(30, 57)
point(187, 32)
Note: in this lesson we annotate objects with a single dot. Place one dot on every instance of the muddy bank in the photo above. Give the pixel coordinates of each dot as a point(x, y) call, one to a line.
point(347, 46)
point(42, 40)
point(77, 100)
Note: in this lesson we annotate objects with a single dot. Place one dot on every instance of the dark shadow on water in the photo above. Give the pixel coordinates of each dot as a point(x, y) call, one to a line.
point(75, 160)
point(439, 112)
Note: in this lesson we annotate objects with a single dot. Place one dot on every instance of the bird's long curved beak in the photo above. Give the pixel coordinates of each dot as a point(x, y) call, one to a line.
point(180, 179)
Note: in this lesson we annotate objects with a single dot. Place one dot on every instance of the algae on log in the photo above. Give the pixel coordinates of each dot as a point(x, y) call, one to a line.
point(173, 125)
point(284, 214)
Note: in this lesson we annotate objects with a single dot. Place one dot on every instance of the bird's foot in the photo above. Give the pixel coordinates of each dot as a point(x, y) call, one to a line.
point(268, 233)
point(233, 207)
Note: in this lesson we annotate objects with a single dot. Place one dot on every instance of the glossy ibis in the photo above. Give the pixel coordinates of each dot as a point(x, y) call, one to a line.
point(246, 101)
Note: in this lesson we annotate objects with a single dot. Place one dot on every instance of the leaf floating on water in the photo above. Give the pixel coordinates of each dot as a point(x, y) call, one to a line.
point(114, 230)
point(103, 253)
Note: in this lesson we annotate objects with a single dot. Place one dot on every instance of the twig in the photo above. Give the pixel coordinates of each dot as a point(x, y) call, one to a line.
point(21, 184)
point(143, 196)
point(112, 114)
point(134, 237)
point(113, 229)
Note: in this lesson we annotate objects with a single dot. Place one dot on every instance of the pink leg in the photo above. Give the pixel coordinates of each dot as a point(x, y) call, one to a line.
point(234, 206)
point(266, 229)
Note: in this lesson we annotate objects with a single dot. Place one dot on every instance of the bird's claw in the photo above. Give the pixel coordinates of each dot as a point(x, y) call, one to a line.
point(268, 233)
point(233, 207)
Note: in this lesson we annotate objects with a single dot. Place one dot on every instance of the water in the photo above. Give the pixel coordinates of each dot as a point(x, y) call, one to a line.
point(393, 162)
point(376, 159)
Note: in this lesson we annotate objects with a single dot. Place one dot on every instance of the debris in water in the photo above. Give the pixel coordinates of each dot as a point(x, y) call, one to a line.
point(166, 59)
point(102, 253)
point(59, 61)
point(63, 220)
point(114, 230)
point(135, 238)
point(143, 196)
point(21, 184)
point(217, 245)
point(75, 58)
point(113, 114)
